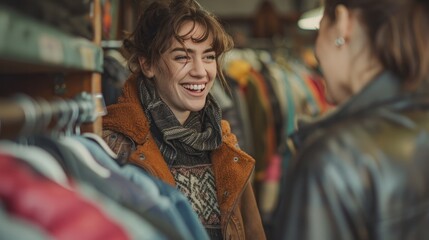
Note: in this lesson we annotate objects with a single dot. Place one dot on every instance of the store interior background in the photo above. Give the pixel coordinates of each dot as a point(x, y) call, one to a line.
point(259, 24)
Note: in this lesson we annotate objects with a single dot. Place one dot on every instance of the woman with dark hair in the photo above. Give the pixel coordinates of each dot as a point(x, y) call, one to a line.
point(167, 122)
point(362, 172)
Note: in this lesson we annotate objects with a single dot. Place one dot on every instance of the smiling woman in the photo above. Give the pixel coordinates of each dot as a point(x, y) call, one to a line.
point(170, 125)
point(186, 72)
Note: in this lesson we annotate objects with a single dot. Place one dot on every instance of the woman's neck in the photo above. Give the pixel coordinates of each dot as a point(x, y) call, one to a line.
point(181, 116)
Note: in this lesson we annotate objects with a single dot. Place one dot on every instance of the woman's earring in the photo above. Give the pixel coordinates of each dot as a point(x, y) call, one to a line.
point(340, 41)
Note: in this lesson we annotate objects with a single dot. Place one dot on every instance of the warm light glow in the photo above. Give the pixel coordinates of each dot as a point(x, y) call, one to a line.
point(310, 20)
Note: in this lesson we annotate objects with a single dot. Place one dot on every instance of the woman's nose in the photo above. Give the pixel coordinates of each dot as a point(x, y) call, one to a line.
point(198, 68)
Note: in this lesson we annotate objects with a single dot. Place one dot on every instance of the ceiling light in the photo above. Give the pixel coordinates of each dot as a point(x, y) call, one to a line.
point(310, 20)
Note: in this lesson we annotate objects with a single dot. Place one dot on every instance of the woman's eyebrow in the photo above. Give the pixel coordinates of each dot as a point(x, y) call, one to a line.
point(190, 50)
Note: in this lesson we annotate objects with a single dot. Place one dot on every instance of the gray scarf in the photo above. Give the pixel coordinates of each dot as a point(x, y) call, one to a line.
point(200, 133)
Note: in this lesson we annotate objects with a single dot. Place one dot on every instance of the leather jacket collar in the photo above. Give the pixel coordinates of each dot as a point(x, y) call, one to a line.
point(385, 91)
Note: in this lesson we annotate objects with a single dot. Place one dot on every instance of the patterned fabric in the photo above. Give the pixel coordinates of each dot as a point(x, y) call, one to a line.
point(186, 149)
point(198, 184)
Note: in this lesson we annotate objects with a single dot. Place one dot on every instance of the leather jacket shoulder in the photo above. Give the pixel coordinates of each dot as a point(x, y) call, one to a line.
point(362, 175)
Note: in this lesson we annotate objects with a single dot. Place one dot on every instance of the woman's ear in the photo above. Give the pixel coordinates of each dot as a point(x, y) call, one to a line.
point(343, 22)
point(146, 68)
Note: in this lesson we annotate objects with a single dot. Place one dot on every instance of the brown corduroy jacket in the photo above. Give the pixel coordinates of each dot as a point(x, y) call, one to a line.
point(126, 130)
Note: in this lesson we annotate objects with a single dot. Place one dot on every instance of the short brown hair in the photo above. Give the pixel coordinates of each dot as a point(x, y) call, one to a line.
point(160, 22)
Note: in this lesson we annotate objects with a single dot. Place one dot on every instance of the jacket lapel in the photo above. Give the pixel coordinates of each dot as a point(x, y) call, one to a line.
point(232, 169)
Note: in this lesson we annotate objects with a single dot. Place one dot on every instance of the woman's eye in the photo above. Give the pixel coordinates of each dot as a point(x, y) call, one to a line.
point(181, 58)
point(210, 57)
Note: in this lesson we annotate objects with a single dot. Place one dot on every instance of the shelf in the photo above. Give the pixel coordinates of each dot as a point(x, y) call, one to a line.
point(27, 45)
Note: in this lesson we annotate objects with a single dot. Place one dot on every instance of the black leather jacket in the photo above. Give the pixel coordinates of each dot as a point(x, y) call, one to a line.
point(362, 172)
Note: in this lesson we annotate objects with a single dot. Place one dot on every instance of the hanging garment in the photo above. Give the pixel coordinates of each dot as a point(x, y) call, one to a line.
point(39, 159)
point(111, 184)
point(45, 164)
point(162, 200)
point(12, 227)
point(113, 79)
point(61, 212)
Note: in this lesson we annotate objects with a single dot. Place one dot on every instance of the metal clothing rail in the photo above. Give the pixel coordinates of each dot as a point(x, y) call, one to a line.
point(21, 115)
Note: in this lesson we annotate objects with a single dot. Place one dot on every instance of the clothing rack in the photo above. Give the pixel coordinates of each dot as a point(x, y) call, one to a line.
point(22, 115)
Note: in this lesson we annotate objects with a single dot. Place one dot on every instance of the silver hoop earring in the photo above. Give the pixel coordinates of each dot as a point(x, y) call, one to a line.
point(340, 41)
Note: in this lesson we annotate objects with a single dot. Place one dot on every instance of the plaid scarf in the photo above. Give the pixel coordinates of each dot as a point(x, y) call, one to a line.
point(200, 133)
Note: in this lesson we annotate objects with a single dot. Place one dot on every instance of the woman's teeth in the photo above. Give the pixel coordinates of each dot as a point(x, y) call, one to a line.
point(195, 87)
